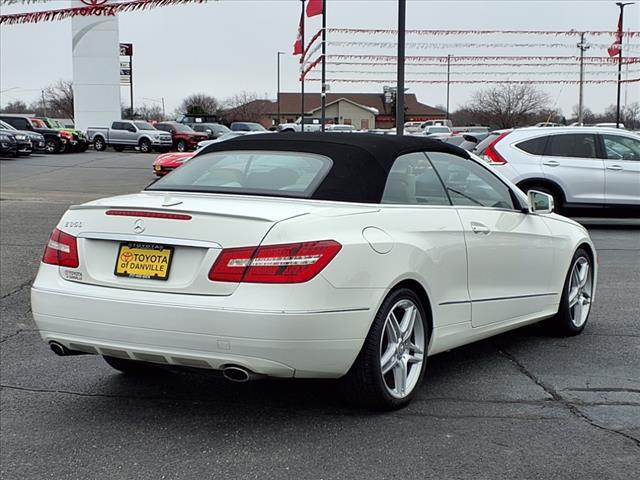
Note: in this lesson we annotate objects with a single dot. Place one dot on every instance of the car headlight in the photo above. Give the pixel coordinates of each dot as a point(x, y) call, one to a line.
point(4, 138)
point(21, 137)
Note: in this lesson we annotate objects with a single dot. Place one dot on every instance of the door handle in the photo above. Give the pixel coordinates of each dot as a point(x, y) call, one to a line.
point(551, 163)
point(614, 167)
point(479, 228)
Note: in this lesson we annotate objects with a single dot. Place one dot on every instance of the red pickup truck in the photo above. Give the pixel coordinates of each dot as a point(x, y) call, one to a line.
point(184, 137)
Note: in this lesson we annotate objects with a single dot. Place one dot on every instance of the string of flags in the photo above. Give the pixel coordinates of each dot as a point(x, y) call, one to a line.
point(93, 7)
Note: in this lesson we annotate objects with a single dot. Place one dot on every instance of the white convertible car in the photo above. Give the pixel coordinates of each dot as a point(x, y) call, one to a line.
point(312, 256)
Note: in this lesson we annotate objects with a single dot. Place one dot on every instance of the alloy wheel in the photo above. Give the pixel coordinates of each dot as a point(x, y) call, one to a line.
point(402, 348)
point(580, 291)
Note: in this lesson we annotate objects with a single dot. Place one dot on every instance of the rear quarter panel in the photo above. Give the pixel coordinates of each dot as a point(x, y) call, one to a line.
point(425, 244)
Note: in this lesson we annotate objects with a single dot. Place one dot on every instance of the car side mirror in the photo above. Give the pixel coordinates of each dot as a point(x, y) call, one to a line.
point(540, 202)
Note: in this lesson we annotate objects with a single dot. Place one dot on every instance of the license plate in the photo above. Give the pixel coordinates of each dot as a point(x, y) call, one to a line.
point(143, 260)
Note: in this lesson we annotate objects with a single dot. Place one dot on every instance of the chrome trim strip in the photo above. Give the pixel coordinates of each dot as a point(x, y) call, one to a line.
point(498, 299)
point(182, 242)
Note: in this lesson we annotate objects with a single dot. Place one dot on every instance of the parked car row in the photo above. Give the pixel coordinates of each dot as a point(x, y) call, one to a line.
point(33, 135)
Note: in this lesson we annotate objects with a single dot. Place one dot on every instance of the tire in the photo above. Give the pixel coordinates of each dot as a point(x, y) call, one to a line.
point(366, 385)
point(145, 145)
point(132, 367)
point(578, 289)
point(118, 148)
point(181, 146)
point(99, 144)
point(557, 197)
point(51, 145)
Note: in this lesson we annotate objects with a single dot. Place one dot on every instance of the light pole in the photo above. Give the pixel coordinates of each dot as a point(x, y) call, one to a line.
point(448, 81)
point(402, 14)
point(278, 100)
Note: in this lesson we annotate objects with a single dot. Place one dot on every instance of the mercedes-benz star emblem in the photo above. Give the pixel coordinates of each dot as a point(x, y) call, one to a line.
point(138, 226)
point(93, 3)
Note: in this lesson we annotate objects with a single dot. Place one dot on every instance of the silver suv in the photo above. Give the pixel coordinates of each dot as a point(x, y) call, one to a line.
point(578, 166)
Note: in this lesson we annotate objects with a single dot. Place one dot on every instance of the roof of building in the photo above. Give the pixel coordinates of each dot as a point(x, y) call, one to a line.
point(290, 103)
point(361, 161)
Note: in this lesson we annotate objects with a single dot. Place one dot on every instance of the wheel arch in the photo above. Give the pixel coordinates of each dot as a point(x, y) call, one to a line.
point(144, 138)
point(422, 294)
point(543, 182)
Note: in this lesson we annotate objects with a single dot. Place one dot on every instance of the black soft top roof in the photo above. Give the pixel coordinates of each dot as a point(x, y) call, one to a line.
point(361, 161)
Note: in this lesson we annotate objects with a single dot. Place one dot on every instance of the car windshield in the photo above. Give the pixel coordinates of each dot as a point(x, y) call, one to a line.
point(144, 126)
point(254, 127)
point(183, 128)
point(283, 174)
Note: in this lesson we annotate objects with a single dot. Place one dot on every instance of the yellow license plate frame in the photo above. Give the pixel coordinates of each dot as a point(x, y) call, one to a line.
point(145, 261)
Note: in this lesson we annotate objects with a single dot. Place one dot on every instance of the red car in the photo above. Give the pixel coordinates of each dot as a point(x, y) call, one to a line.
point(167, 162)
point(184, 137)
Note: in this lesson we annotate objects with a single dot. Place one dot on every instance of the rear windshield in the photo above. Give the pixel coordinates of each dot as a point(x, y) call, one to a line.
point(282, 174)
point(182, 128)
point(144, 126)
point(482, 146)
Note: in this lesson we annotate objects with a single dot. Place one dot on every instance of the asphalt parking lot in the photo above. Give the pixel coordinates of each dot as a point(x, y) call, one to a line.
point(521, 405)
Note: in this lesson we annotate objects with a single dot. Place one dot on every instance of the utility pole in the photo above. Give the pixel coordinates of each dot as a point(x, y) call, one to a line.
point(583, 48)
point(323, 94)
point(621, 29)
point(44, 104)
point(278, 99)
point(402, 14)
point(448, 81)
point(163, 112)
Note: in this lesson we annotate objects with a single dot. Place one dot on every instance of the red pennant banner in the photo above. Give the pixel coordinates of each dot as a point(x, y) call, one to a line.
point(102, 9)
point(369, 31)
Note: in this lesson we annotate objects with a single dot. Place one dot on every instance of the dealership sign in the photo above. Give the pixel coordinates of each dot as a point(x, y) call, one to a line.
point(125, 72)
point(126, 49)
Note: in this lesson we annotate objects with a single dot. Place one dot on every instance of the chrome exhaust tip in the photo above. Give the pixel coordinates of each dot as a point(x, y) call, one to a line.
point(237, 374)
point(63, 351)
point(58, 348)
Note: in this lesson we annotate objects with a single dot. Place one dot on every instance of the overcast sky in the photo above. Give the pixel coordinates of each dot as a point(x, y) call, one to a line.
point(226, 46)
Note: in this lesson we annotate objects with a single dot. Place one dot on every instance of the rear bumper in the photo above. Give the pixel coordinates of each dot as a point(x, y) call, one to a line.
point(199, 331)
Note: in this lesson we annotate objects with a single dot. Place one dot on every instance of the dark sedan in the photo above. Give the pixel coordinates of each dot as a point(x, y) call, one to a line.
point(8, 145)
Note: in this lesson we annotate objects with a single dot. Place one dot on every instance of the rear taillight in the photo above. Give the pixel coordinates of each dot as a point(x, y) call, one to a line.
point(492, 154)
point(289, 263)
point(62, 249)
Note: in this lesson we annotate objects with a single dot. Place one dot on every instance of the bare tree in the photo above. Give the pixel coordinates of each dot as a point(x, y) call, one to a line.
point(150, 112)
point(17, 106)
point(58, 99)
point(199, 104)
point(509, 105)
point(246, 107)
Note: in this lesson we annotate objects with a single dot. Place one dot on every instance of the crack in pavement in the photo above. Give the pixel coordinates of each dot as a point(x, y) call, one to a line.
point(572, 407)
point(16, 333)
point(611, 389)
point(17, 289)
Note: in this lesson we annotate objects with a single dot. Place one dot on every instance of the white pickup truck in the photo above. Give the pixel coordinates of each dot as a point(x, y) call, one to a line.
point(131, 134)
point(310, 125)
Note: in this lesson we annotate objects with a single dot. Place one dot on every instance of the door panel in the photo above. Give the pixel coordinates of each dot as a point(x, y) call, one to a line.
point(511, 259)
point(570, 160)
point(510, 254)
point(622, 169)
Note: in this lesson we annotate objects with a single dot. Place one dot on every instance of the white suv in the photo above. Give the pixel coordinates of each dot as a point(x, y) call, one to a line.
point(578, 166)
